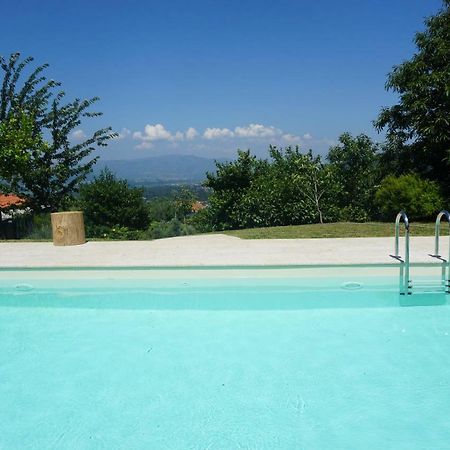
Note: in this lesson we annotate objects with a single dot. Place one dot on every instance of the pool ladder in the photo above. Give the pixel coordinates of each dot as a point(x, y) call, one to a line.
point(406, 285)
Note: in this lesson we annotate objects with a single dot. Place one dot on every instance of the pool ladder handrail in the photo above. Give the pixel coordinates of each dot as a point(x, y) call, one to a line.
point(445, 273)
point(405, 282)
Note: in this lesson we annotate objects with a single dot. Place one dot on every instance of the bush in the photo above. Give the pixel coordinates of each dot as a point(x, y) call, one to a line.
point(289, 189)
point(117, 233)
point(420, 198)
point(201, 222)
point(353, 213)
point(174, 227)
point(41, 227)
point(108, 202)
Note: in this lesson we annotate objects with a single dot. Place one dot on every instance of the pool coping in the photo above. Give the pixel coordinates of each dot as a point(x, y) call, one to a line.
point(214, 251)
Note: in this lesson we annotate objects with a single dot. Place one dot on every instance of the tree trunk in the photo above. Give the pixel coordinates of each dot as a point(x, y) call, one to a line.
point(68, 228)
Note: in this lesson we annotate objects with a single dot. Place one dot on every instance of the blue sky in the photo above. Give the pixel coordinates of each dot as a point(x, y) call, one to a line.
point(208, 77)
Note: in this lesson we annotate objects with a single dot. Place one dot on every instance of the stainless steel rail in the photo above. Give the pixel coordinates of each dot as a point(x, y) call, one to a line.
point(405, 282)
point(445, 273)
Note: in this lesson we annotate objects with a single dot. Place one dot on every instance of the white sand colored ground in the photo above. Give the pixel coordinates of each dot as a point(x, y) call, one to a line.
point(214, 250)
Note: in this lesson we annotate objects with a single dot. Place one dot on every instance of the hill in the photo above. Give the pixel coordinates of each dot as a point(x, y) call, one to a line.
point(164, 169)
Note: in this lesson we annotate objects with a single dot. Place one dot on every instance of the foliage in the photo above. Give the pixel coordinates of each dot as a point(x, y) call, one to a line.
point(183, 202)
point(41, 227)
point(171, 228)
point(229, 185)
point(289, 188)
point(16, 138)
point(117, 233)
point(161, 209)
point(49, 172)
point(156, 190)
point(294, 188)
point(201, 221)
point(114, 210)
point(420, 198)
point(110, 203)
point(418, 127)
point(177, 206)
point(354, 162)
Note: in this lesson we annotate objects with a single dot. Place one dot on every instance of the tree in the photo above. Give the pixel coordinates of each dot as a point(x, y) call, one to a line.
point(418, 127)
point(290, 188)
point(420, 198)
point(294, 188)
point(16, 138)
point(355, 164)
point(161, 209)
point(317, 183)
point(229, 184)
point(109, 202)
point(183, 202)
point(51, 169)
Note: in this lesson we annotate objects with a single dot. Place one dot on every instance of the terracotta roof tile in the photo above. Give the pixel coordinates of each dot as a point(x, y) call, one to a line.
point(8, 200)
point(197, 206)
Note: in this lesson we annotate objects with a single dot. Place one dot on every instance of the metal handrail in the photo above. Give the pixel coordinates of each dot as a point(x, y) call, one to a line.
point(401, 215)
point(442, 214)
point(445, 275)
point(404, 264)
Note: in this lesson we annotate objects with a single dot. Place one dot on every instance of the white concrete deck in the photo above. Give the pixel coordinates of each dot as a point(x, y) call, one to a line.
point(213, 250)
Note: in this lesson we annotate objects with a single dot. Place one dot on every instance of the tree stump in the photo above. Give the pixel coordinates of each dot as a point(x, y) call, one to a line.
point(68, 228)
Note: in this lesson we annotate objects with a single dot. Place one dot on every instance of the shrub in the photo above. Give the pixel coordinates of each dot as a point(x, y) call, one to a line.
point(117, 233)
point(174, 227)
point(420, 198)
point(110, 203)
point(353, 213)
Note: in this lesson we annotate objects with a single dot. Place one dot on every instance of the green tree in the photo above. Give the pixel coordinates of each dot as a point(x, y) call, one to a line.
point(418, 127)
point(184, 200)
point(229, 184)
point(161, 209)
point(290, 188)
point(295, 188)
point(355, 164)
point(109, 202)
point(51, 170)
point(16, 139)
point(420, 198)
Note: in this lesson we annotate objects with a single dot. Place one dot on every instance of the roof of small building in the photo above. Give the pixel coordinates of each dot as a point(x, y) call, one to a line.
point(197, 206)
point(8, 200)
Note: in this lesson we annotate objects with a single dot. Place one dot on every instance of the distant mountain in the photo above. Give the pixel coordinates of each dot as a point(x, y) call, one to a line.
point(160, 169)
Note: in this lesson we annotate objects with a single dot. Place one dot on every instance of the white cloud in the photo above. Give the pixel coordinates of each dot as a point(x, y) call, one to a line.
point(191, 133)
point(154, 133)
point(144, 144)
point(256, 130)
point(291, 138)
point(178, 136)
point(79, 135)
point(214, 133)
point(123, 133)
point(157, 133)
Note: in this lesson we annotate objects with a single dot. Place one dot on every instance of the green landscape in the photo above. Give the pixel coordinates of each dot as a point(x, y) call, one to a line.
point(334, 230)
point(355, 190)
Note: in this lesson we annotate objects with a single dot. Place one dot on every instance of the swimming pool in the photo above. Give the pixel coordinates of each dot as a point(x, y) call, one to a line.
point(270, 358)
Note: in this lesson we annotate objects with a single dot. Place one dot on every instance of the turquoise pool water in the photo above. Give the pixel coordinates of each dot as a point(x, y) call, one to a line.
point(294, 359)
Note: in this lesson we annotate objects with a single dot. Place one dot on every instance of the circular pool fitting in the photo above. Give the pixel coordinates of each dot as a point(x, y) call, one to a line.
point(23, 287)
point(352, 285)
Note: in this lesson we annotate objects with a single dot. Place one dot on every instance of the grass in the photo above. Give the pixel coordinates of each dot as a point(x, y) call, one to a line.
point(334, 230)
point(327, 230)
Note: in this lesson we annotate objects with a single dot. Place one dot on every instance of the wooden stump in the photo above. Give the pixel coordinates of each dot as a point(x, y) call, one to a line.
point(68, 228)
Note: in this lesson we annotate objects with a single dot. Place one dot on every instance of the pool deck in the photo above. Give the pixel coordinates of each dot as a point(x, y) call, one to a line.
point(214, 250)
